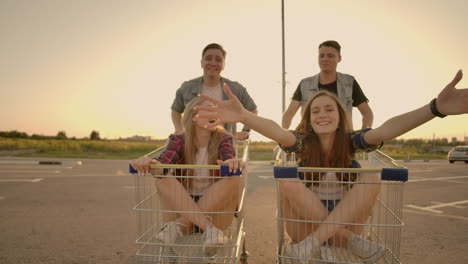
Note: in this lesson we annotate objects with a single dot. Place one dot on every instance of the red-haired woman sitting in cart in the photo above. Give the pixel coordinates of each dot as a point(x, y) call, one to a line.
point(324, 139)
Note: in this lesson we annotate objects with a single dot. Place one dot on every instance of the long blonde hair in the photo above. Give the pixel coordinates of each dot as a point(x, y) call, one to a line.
point(188, 124)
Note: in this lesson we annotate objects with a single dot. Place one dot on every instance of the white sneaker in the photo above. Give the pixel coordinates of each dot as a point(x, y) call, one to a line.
point(214, 236)
point(304, 251)
point(369, 251)
point(326, 254)
point(169, 233)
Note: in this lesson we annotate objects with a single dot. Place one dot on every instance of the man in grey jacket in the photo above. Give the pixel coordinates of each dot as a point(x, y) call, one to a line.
point(211, 83)
point(343, 85)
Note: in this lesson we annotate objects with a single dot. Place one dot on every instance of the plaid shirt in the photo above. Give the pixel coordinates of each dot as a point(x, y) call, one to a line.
point(174, 152)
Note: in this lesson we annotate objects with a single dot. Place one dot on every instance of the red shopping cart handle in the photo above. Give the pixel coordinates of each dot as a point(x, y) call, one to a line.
point(224, 170)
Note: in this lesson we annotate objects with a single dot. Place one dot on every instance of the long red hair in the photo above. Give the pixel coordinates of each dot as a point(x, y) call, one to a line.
point(342, 151)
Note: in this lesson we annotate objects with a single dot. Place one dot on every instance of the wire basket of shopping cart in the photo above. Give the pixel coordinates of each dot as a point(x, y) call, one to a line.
point(336, 215)
point(169, 202)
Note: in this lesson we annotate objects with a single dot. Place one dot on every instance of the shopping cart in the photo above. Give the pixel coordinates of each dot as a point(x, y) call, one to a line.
point(380, 225)
point(153, 215)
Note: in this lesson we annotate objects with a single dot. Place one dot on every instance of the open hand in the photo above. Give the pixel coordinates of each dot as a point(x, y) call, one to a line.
point(453, 101)
point(222, 112)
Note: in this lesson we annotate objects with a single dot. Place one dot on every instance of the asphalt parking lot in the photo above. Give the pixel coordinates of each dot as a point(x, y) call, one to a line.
point(82, 213)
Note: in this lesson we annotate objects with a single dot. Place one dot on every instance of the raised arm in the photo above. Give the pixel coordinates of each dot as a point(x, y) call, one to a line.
point(245, 132)
point(232, 111)
point(450, 101)
point(289, 113)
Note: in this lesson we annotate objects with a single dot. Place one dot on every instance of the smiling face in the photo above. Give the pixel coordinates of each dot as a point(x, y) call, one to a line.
point(328, 59)
point(212, 63)
point(324, 115)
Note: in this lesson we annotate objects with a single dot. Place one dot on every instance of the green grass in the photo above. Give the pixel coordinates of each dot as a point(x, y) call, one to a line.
point(118, 149)
point(416, 156)
point(412, 153)
point(102, 149)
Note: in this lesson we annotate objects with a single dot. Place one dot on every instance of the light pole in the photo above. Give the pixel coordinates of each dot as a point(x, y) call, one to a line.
point(283, 99)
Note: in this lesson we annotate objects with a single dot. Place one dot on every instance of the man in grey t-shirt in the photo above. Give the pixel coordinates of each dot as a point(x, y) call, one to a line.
point(211, 83)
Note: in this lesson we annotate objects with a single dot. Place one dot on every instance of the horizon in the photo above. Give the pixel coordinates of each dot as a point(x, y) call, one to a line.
point(266, 140)
point(114, 66)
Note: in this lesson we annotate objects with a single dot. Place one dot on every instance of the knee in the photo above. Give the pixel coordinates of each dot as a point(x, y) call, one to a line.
point(235, 183)
point(372, 182)
point(164, 181)
point(369, 178)
point(232, 183)
point(289, 187)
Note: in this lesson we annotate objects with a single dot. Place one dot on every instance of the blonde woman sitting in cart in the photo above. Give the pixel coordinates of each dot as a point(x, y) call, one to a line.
point(324, 139)
point(198, 145)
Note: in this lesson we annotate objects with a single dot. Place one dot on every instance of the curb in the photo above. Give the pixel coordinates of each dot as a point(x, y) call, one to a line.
point(49, 163)
point(41, 162)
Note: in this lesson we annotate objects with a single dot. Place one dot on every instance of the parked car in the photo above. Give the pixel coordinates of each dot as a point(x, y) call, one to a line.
point(458, 153)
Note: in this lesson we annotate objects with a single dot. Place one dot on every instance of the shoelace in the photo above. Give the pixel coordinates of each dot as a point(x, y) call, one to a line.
point(166, 229)
point(327, 254)
point(178, 228)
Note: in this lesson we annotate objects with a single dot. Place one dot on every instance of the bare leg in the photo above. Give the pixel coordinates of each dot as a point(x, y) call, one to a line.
point(353, 208)
point(299, 202)
point(176, 197)
point(222, 196)
point(216, 197)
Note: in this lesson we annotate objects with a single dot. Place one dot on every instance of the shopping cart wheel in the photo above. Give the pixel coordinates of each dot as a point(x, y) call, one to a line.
point(243, 257)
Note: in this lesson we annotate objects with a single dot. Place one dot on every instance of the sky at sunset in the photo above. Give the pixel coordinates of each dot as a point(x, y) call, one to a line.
point(114, 66)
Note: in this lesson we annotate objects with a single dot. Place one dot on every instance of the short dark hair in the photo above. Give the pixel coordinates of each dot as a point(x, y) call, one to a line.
point(333, 44)
point(214, 46)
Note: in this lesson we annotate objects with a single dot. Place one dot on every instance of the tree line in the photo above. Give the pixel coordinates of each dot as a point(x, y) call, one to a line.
point(415, 142)
point(94, 135)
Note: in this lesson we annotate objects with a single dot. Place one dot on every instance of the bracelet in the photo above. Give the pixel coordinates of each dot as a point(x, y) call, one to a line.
point(434, 109)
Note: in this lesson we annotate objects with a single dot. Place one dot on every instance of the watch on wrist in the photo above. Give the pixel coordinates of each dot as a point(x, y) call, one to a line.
point(434, 109)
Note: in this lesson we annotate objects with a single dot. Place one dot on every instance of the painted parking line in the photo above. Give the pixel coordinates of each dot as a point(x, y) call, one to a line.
point(265, 177)
point(432, 208)
point(22, 180)
point(437, 215)
point(30, 171)
point(413, 171)
point(30, 162)
point(438, 179)
point(41, 162)
point(270, 171)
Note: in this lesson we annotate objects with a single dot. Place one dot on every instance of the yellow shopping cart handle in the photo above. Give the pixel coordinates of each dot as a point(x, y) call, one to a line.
point(224, 168)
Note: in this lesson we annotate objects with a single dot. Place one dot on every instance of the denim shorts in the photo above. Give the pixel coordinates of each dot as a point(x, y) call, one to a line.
point(196, 198)
point(330, 204)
